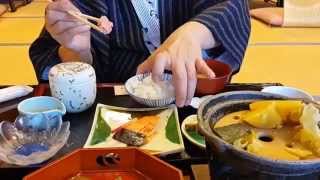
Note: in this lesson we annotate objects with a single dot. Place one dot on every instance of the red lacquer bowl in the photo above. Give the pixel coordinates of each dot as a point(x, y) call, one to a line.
point(206, 86)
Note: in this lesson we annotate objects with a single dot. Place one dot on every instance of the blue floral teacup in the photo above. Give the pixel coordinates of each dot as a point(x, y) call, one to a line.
point(46, 105)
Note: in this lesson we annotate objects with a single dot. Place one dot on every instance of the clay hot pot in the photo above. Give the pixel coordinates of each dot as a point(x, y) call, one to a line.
point(214, 108)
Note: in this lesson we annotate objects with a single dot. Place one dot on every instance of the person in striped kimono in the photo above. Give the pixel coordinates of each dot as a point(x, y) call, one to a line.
point(147, 36)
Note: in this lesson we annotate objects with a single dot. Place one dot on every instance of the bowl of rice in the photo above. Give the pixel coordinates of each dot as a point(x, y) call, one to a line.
point(154, 94)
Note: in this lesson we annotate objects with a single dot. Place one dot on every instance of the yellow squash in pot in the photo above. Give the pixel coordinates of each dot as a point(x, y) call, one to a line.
point(273, 113)
point(309, 135)
point(289, 110)
point(266, 117)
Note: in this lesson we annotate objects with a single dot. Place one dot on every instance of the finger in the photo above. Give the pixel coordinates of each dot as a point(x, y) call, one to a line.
point(62, 6)
point(192, 82)
point(180, 83)
point(203, 68)
point(62, 26)
point(68, 35)
point(53, 17)
point(145, 67)
point(159, 64)
point(77, 30)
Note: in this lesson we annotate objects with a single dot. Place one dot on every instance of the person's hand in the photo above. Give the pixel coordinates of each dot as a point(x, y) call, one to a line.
point(181, 53)
point(65, 29)
point(271, 16)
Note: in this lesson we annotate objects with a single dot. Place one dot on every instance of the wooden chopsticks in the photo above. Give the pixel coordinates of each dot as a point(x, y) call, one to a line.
point(84, 18)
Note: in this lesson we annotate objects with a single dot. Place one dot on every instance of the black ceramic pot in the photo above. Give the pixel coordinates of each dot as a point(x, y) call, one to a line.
point(214, 108)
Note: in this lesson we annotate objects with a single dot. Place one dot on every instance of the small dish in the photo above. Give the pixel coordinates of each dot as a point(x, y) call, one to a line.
point(31, 139)
point(289, 92)
point(152, 102)
point(206, 86)
point(193, 136)
point(41, 104)
point(167, 138)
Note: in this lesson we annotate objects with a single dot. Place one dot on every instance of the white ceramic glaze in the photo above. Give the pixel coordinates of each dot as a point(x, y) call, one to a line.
point(290, 92)
point(190, 120)
point(73, 83)
point(159, 144)
point(130, 83)
point(196, 101)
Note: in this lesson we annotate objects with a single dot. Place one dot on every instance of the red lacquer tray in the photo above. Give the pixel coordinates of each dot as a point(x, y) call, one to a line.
point(111, 163)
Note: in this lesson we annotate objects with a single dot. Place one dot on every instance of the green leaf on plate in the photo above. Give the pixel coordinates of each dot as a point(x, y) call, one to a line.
point(101, 132)
point(196, 136)
point(172, 130)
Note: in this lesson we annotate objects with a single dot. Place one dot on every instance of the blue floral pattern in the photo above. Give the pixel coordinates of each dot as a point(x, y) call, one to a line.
point(74, 84)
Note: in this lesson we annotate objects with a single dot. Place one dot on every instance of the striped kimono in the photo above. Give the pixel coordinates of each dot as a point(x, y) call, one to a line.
point(117, 56)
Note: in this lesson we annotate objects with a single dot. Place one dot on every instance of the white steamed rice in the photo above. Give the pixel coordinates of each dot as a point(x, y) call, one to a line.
point(148, 89)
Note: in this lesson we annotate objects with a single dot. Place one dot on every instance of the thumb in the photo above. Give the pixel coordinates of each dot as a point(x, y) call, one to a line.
point(145, 67)
point(204, 69)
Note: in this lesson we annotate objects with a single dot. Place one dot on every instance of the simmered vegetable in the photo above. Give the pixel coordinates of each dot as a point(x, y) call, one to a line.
point(309, 135)
point(266, 117)
point(289, 110)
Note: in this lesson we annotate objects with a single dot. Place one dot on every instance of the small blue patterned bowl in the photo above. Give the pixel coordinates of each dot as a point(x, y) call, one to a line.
point(152, 102)
point(32, 139)
point(46, 105)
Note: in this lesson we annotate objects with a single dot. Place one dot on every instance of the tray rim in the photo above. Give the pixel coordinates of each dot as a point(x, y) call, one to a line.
point(29, 176)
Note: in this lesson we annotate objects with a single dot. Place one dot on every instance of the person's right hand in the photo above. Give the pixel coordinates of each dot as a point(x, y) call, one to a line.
point(65, 29)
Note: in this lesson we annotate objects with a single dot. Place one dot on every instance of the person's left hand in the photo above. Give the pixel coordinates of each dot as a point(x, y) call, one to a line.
point(181, 53)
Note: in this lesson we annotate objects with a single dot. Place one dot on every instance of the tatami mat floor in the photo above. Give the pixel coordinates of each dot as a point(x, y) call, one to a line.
point(17, 31)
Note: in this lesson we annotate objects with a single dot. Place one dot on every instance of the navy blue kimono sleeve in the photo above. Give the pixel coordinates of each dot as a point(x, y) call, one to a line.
point(229, 22)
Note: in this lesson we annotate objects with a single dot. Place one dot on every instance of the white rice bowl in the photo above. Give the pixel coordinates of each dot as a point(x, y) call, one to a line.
point(145, 91)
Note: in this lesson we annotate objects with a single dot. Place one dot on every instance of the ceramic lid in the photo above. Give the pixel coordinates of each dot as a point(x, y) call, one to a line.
point(72, 73)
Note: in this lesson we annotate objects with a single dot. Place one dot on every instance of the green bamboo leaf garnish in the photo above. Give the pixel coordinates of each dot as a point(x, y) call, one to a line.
point(172, 130)
point(101, 132)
